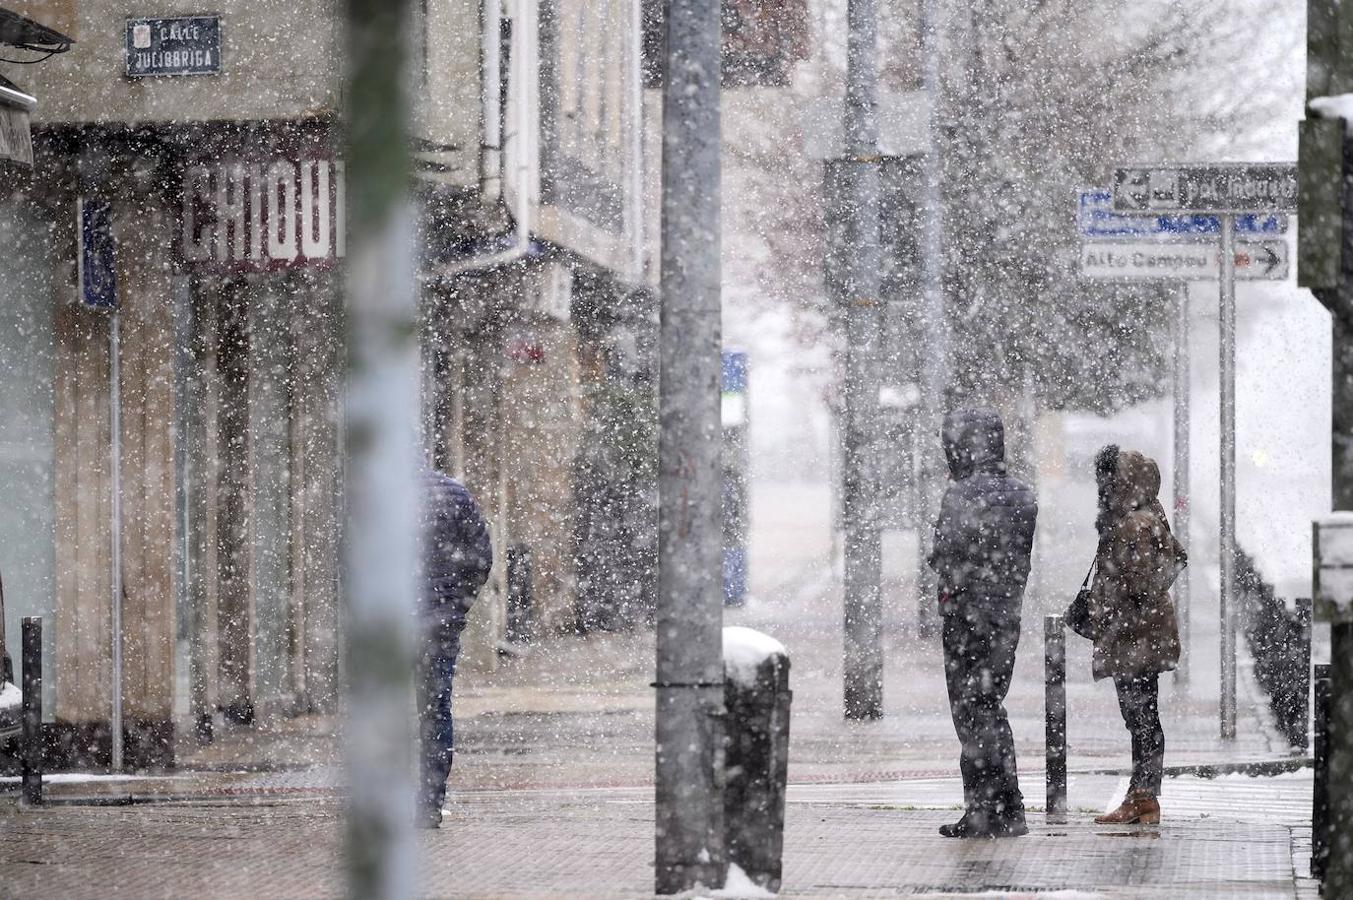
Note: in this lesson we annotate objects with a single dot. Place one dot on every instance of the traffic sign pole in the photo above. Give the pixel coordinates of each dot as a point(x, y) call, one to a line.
point(1182, 390)
point(1228, 478)
point(115, 525)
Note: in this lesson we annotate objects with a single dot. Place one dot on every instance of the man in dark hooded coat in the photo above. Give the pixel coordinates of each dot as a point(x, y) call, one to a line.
point(457, 557)
point(982, 547)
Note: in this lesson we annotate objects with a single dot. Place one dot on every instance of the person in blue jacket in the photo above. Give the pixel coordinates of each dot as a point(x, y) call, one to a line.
point(457, 557)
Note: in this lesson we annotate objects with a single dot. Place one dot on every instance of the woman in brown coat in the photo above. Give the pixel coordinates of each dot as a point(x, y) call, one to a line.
point(1136, 634)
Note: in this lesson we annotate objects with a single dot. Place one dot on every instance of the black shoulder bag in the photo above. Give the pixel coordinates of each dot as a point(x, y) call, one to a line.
point(1078, 613)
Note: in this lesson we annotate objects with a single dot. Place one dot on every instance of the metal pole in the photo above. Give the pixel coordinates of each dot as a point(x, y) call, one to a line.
point(30, 648)
point(1302, 712)
point(380, 536)
point(934, 362)
point(1054, 703)
point(863, 633)
point(115, 516)
point(1228, 478)
point(689, 838)
point(1182, 388)
point(1320, 788)
point(1339, 764)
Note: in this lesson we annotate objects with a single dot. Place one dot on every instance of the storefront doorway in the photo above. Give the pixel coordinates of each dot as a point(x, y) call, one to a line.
point(263, 477)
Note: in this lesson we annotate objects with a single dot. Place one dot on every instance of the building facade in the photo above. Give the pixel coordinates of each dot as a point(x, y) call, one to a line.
point(204, 152)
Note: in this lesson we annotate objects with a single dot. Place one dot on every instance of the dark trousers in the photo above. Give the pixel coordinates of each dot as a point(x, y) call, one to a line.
point(979, 660)
point(1139, 702)
point(439, 645)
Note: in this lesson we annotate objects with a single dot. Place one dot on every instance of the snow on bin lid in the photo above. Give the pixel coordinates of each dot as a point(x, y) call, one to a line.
point(10, 696)
point(744, 649)
point(1333, 571)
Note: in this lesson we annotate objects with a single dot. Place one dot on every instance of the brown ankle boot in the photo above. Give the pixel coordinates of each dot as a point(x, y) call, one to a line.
point(1137, 808)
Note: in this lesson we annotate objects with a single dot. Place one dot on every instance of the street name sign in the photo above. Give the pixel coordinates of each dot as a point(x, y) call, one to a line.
point(182, 45)
point(1193, 261)
point(1096, 219)
point(1213, 188)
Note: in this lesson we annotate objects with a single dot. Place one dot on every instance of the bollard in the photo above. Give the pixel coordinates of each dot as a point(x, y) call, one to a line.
point(756, 760)
point(1319, 800)
point(31, 648)
point(1054, 700)
point(519, 594)
point(1302, 712)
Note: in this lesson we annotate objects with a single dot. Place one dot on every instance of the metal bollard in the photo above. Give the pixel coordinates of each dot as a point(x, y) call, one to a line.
point(1302, 712)
point(31, 648)
point(519, 594)
point(1054, 699)
point(756, 762)
point(1319, 797)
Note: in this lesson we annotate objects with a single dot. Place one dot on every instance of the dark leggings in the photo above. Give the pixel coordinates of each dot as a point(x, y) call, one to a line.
point(1139, 701)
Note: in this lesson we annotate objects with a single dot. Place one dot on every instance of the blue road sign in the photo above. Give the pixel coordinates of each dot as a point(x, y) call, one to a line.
point(98, 277)
point(1097, 219)
point(735, 371)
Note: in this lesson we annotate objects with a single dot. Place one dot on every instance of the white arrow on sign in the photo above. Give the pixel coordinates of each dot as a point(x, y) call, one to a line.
point(1255, 260)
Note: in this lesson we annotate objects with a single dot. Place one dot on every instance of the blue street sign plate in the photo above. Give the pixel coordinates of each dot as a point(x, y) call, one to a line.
point(1096, 219)
point(182, 45)
point(98, 278)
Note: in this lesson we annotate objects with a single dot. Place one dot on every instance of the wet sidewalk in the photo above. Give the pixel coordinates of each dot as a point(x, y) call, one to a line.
point(840, 842)
point(552, 796)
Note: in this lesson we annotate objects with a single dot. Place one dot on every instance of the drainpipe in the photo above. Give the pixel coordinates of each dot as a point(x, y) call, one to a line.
point(493, 158)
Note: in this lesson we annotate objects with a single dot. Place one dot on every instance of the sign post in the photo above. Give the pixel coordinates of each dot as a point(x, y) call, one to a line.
point(1227, 392)
point(1223, 190)
point(1182, 391)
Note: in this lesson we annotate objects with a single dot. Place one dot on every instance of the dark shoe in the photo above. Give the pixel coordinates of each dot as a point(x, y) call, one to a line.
point(983, 825)
point(963, 828)
point(1137, 808)
point(972, 825)
point(428, 818)
point(1012, 826)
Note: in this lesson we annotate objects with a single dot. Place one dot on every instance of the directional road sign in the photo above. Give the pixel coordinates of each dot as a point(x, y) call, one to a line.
point(1096, 219)
point(1214, 188)
point(1195, 261)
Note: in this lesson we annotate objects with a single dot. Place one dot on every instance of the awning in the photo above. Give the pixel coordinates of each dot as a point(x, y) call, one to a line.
point(16, 140)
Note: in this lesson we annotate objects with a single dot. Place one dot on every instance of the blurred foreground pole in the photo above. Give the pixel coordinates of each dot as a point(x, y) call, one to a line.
point(382, 389)
point(1182, 386)
point(1325, 266)
point(863, 629)
point(690, 682)
point(934, 361)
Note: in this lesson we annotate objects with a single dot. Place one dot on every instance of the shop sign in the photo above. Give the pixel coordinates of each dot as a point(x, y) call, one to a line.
point(253, 216)
point(184, 45)
point(16, 140)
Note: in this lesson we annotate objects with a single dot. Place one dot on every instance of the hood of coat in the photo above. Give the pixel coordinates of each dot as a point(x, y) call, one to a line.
point(1135, 484)
point(974, 441)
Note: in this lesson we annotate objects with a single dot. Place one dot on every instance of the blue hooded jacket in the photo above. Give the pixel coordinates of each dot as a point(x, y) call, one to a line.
point(457, 552)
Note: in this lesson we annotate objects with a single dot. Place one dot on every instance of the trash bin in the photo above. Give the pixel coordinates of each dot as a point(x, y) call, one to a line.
point(756, 759)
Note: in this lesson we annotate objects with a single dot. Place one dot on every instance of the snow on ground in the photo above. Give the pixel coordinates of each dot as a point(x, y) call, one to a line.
point(88, 778)
point(738, 885)
point(744, 649)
